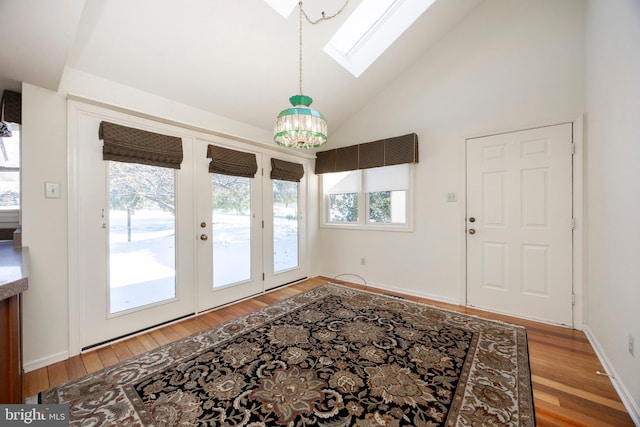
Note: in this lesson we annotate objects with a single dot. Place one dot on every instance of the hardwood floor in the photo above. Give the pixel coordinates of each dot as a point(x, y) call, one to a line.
point(567, 391)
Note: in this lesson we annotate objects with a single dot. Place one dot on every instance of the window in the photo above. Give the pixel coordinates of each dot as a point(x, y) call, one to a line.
point(368, 31)
point(372, 27)
point(283, 7)
point(285, 225)
point(10, 177)
point(231, 228)
point(142, 233)
point(368, 198)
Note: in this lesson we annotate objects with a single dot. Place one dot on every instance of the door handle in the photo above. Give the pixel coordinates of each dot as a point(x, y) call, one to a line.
point(203, 237)
point(472, 219)
point(472, 231)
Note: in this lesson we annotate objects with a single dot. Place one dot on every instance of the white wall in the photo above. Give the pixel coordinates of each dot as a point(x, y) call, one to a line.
point(44, 221)
point(613, 205)
point(44, 225)
point(509, 65)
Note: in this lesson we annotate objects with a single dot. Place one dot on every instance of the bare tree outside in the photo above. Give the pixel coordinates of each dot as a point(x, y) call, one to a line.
point(141, 235)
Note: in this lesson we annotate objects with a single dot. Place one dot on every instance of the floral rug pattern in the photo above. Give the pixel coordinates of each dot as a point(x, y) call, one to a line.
point(332, 356)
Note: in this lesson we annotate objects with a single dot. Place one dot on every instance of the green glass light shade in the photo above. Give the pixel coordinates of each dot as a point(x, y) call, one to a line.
point(300, 126)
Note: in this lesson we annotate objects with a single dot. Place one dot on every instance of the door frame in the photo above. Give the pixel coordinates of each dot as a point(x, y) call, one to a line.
point(77, 292)
point(273, 280)
point(578, 202)
point(78, 104)
point(205, 292)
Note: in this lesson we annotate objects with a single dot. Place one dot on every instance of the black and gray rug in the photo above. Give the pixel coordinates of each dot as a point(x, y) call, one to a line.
point(332, 356)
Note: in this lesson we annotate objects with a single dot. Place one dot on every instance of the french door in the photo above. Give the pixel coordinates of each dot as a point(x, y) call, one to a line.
point(250, 230)
point(229, 236)
point(130, 251)
point(151, 244)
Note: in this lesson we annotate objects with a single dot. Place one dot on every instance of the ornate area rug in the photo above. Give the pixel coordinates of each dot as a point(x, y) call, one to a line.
point(332, 356)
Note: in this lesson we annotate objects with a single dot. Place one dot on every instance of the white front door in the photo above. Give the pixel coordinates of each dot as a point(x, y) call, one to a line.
point(229, 236)
point(519, 223)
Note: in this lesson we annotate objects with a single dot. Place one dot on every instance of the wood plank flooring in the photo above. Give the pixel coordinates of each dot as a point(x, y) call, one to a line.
point(567, 391)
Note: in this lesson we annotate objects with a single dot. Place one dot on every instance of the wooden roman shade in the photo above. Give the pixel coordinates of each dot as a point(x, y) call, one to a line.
point(125, 144)
point(384, 152)
point(231, 162)
point(11, 107)
point(286, 171)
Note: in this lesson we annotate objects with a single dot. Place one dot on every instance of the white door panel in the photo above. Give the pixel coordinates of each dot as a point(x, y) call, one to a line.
point(519, 212)
point(284, 228)
point(106, 270)
point(229, 238)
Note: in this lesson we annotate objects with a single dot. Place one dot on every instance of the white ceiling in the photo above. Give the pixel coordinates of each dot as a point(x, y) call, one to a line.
point(237, 59)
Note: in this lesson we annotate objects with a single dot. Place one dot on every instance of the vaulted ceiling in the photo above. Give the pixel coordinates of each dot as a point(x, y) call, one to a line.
point(237, 59)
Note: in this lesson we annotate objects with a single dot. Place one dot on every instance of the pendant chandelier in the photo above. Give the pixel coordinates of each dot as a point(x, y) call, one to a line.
point(301, 126)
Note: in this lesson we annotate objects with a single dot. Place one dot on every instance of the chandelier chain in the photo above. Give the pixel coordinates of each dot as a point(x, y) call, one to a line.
point(300, 61)
point(324, 17)
point(312, 22)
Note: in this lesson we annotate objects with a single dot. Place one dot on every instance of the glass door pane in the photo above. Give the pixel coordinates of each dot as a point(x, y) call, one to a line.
point(231, 229)
point(285, 225)
point(142, 233)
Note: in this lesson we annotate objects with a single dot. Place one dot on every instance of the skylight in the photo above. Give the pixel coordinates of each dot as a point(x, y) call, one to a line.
point(371, 29)
point(283, 7)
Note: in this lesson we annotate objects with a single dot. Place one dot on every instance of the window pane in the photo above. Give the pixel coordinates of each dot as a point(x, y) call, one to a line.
point(387, 207)
point(380, 207)
point(343, 207)
point(10, 169)
point(142, 233)
point(285, 225)
point(231, 220)
point(9, 190)
point(10, 148)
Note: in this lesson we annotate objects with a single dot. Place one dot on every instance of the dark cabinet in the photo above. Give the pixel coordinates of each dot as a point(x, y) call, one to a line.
point(10, 351)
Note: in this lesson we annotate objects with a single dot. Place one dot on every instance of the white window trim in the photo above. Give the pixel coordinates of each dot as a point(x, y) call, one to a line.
point(363, 223)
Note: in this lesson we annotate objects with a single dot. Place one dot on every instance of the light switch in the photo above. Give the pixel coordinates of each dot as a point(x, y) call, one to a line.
point(51, 190)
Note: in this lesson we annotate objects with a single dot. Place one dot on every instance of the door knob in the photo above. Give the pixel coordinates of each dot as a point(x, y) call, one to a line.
point(472, 231)
point(472, 219)
point(203, 237)
point(203, 224)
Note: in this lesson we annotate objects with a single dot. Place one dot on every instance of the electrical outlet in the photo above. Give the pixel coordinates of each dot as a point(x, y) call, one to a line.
point(363, 261)
point(452, 197)
point(631, 346)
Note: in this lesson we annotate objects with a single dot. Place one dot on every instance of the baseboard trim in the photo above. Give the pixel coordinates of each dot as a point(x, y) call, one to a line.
point(45, 361)
point(618, 385)
point(384, 287)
